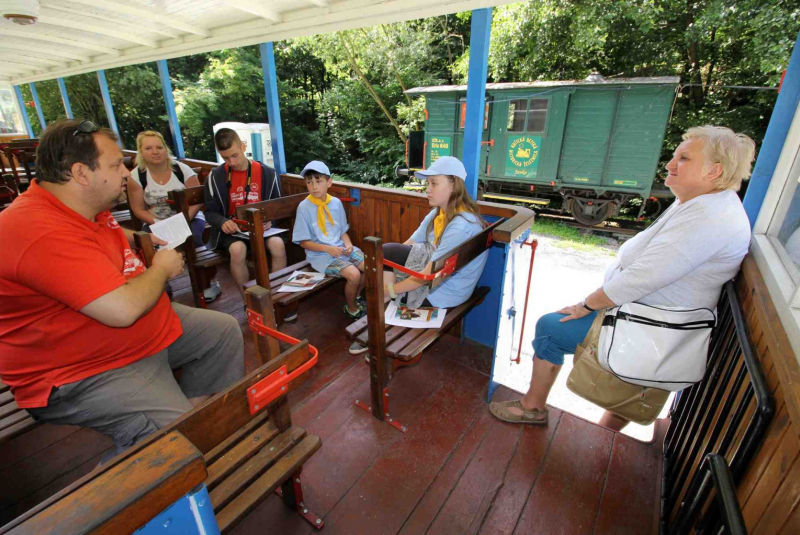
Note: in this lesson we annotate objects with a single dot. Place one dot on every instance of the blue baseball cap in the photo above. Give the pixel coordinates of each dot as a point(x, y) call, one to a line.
point(317, 166)
point(446, 165)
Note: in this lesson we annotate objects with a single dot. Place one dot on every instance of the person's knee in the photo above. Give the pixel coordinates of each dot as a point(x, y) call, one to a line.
point(351, 274)
point(276, 246)
point(238, 252)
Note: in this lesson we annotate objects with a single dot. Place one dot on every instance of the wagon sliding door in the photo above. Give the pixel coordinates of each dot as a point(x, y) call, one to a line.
point(485, 132)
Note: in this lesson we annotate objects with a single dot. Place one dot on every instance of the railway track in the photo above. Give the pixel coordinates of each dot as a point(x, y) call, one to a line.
point(621, 227)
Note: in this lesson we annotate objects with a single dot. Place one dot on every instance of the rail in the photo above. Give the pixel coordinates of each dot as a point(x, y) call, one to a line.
point(728, 413)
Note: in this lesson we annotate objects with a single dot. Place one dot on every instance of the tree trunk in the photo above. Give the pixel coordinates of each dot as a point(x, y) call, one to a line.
point(369, 87)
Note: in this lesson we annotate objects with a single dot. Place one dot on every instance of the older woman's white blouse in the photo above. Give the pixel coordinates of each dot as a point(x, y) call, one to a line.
point(685, 257)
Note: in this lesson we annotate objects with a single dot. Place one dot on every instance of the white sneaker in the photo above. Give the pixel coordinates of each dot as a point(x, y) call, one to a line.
point(212, 292)
point(290, 317)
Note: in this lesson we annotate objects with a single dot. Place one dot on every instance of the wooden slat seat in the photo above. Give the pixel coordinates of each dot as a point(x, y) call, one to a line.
point(273, 210)
point(13, 420)
point(406, 344)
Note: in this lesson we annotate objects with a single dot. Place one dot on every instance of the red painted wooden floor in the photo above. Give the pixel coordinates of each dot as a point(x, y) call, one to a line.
point(457, 470)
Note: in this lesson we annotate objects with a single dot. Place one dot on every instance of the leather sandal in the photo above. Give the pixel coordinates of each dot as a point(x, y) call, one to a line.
point(499, 409)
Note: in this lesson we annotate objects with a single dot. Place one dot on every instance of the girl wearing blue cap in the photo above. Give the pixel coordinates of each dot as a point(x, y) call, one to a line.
point(321, 229)
point(455, 218)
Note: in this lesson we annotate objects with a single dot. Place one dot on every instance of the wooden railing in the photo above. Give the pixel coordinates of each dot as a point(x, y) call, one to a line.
point(393, 215)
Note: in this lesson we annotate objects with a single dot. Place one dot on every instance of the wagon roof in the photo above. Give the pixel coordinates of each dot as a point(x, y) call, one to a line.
point(655, 80)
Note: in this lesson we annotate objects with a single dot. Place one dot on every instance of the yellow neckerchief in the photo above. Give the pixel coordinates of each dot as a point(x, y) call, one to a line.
point(438, 224)
point(322, 211)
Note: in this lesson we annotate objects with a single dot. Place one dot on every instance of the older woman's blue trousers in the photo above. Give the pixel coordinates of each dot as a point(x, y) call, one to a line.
point(554, 339)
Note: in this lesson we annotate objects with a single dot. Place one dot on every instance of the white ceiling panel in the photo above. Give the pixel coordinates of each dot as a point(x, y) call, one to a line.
point(78, 36)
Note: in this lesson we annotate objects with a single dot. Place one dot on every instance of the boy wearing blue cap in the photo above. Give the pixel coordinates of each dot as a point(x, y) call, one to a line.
point(321, 229)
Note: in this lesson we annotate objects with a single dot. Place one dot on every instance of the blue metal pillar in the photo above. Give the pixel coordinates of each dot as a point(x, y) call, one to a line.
point(65, 98)
point(476, 95)
point(169, 101)
point(112, 119)
point(777, 130)
point(25, 119)
point(36, 103)
point(273, 106)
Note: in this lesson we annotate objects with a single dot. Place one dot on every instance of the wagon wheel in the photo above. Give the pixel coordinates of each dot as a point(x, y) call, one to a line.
point(590, 215)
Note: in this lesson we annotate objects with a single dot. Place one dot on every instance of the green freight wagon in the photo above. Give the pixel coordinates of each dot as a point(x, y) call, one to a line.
point(594, 143)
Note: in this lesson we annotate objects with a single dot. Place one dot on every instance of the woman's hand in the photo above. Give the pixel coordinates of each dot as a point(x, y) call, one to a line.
point(573, 312)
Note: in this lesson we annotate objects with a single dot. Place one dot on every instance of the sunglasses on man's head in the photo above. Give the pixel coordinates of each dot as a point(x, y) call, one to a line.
point(86, 127)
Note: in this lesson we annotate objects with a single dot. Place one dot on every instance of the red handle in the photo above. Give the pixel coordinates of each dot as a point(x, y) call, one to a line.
point(274, 385)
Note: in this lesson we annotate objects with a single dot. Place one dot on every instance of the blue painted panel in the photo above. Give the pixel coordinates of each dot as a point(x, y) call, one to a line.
point(255, 142)
point(476, 95)
point(482, 322)
point(112, 119)
point(273, 106)
point(65, 98)
point(778, 128)
point(169, 102)
point(21, 104)
point(36, 103)
point(191, 515)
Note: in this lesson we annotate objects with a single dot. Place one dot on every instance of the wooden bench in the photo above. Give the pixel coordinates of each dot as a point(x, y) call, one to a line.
point(252, 216)
point(241, 444)
point(398, 347)
point(13, 420)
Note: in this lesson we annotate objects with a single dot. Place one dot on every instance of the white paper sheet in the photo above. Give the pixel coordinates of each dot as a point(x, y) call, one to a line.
point(173, 230)
point(267, 233)
point(435, 323)
point(304, 277)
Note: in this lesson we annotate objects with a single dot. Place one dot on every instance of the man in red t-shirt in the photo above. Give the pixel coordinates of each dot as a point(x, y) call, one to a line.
point(235, 183)
point(87, 335)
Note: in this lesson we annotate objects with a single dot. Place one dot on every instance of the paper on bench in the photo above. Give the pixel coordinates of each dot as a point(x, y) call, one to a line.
point(267, 233)
point(173, 230)
point(435, 323)
point(301, 281)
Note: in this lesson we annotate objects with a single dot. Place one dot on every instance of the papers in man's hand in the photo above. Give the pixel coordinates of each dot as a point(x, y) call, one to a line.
point(173, 230)
point(300, 281)
point(415, 318)
point(267, 233)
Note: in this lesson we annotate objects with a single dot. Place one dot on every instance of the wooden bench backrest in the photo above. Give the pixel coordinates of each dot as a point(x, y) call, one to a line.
point(110, 500)
point(273, 209)
point(466, 252)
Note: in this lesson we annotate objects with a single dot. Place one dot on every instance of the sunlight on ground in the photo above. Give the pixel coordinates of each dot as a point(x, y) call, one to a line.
point(561, 276)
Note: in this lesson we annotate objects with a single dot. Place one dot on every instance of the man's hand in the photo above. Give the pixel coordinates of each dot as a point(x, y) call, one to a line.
point(348, 249)
point(335, 251)
point(229, 227)
point(266, 225)
point(157, 241)
point(169, 260)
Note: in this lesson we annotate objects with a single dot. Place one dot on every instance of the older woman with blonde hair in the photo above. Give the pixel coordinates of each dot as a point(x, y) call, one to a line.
point(155, 175)
point(681, 260)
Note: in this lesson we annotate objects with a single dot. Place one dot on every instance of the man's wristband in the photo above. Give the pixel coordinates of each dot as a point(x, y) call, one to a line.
point(587, 307)
point(390, 287)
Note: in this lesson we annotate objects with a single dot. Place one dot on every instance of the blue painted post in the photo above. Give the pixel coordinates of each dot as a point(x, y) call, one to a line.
point(25, 119)
point(65, 98)
point(112, 119)
point(476, 91)
point(273, 106)
point(169, 101)
point(39, 111)
point(778, 128)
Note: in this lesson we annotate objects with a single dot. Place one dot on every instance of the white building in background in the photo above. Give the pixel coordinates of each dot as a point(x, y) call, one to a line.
point(257, 138)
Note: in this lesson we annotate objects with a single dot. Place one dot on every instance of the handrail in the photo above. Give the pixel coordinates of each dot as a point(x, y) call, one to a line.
point(726, 495)
point(707, 420)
